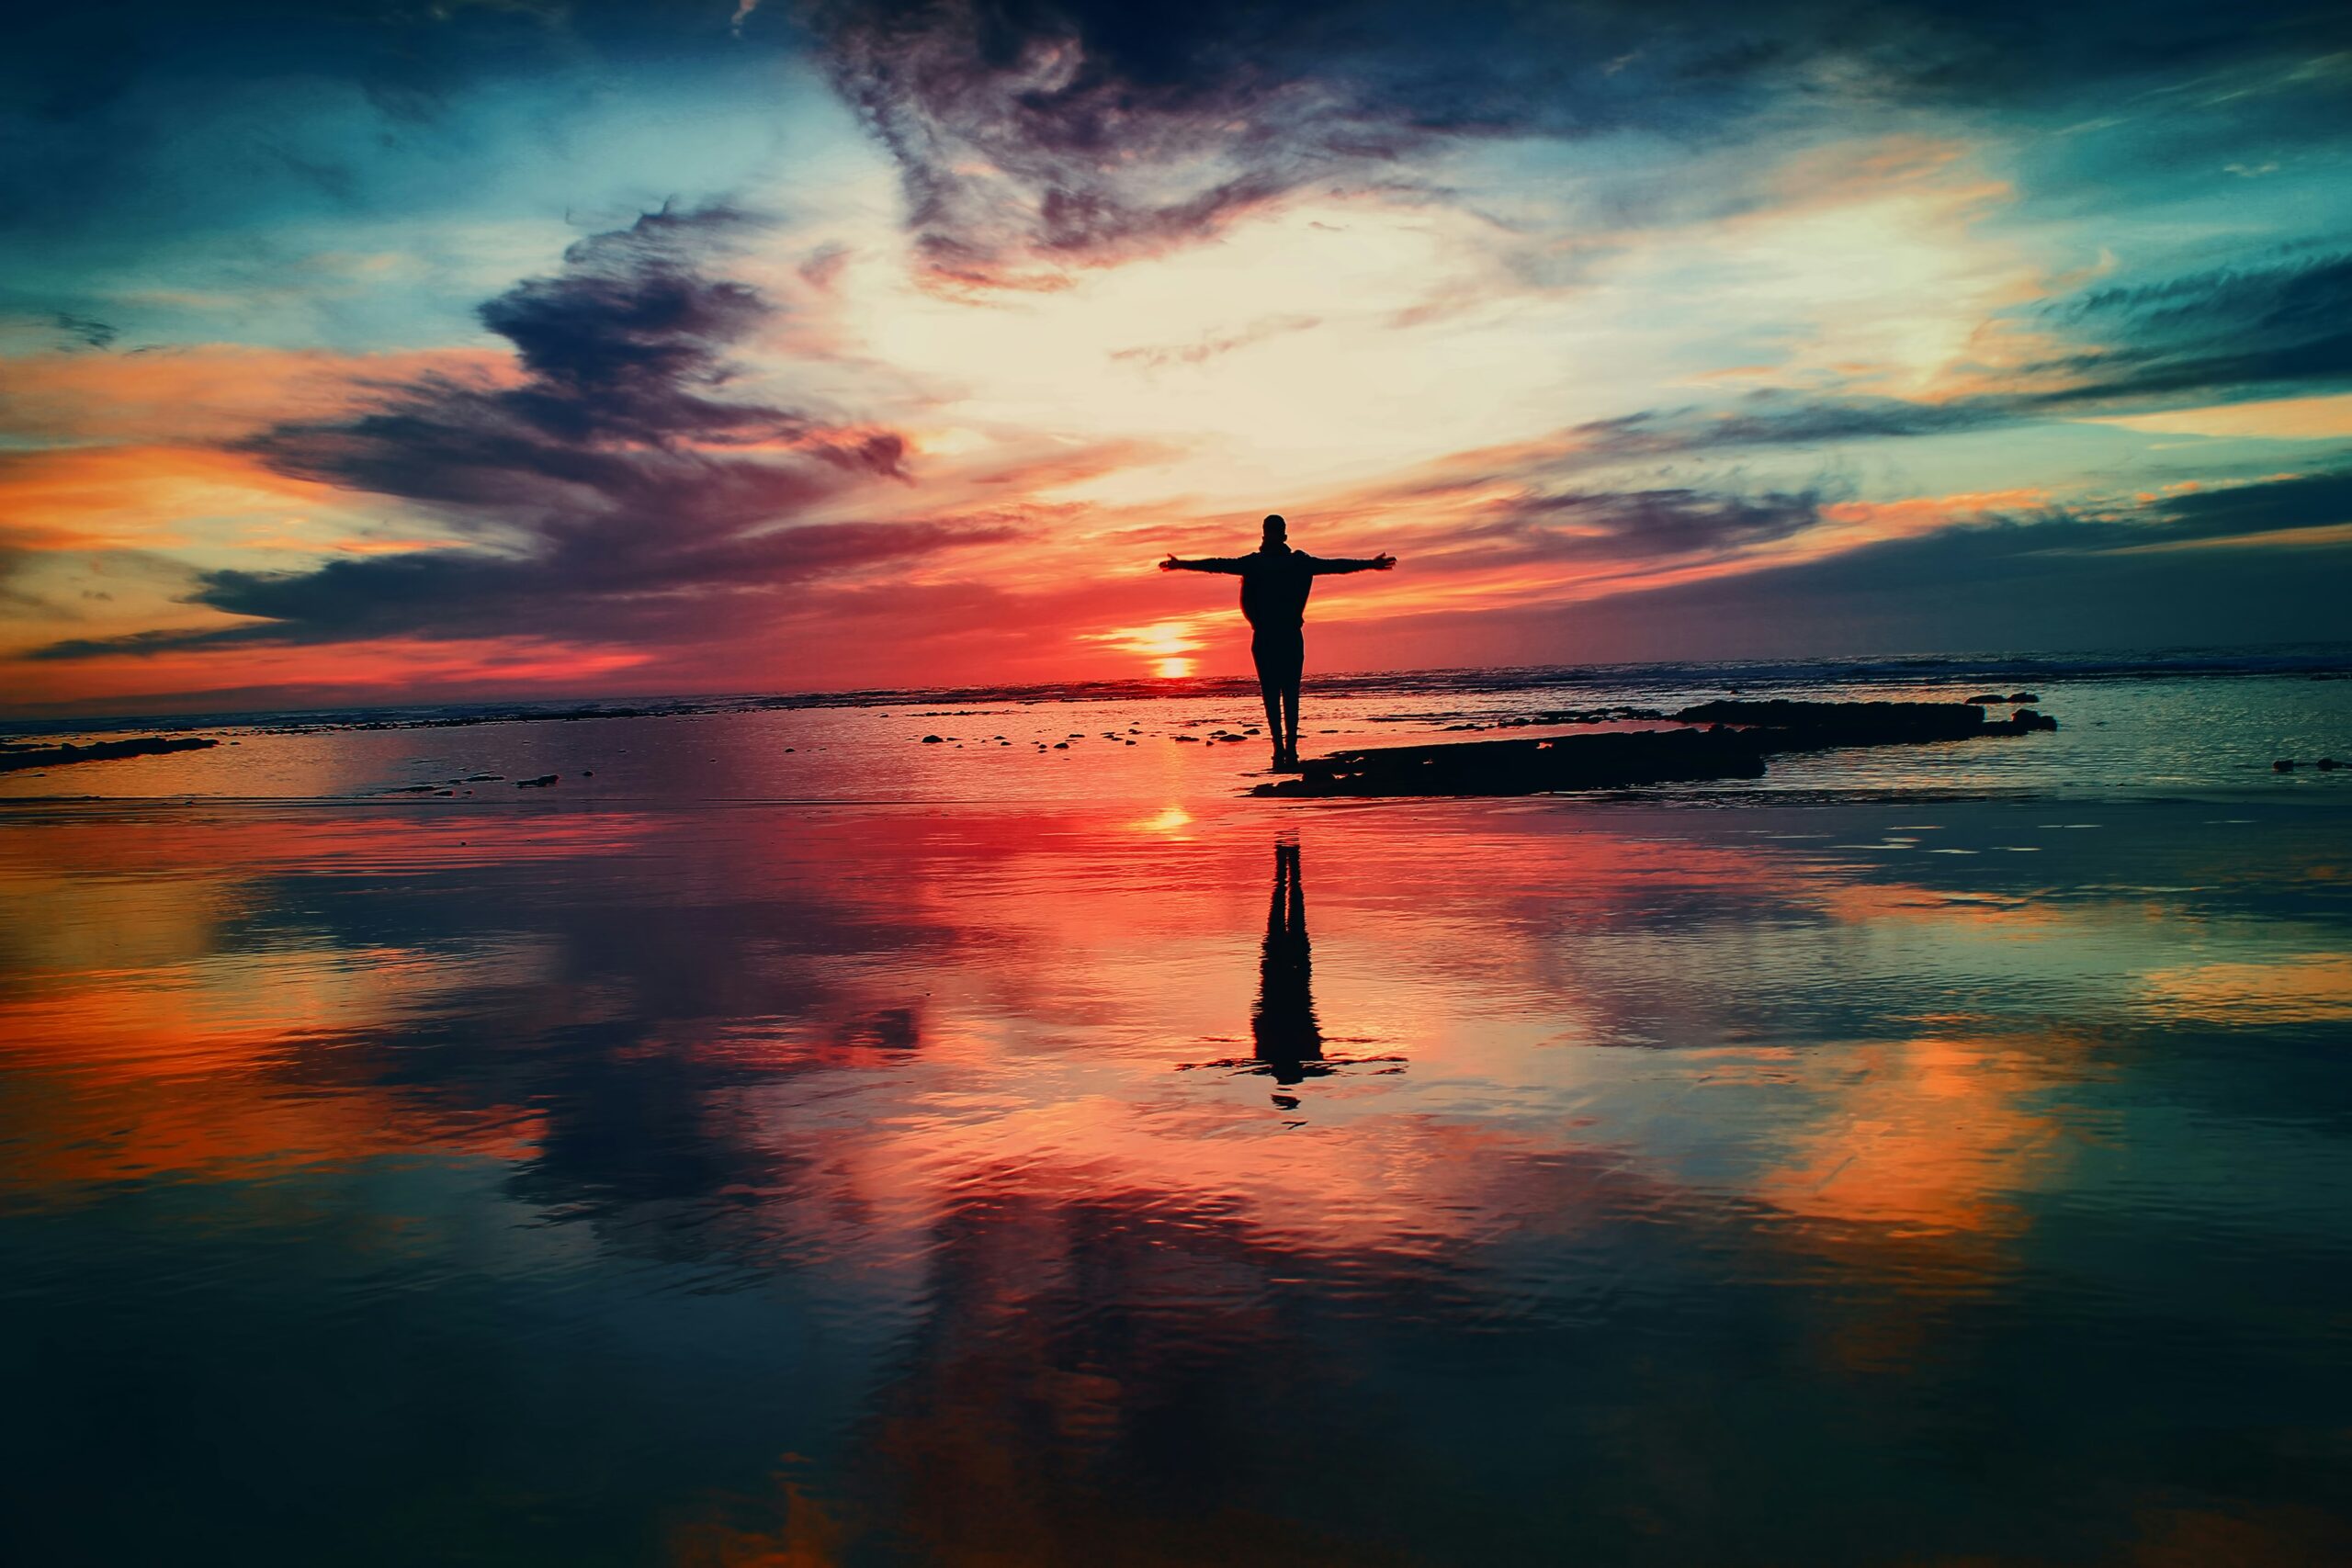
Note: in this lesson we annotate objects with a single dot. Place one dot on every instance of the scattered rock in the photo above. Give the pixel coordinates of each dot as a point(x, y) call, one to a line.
point(1984, 697)
point(2283, 765)
point(2326, 764)
point(1802, 726)
point(2023, 697)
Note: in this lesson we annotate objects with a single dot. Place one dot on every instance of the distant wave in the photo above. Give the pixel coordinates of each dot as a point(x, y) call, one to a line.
point(1599, 681)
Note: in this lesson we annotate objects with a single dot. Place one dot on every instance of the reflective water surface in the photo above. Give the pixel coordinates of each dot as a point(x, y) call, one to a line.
point(2132, 735)
point(1190, 1181)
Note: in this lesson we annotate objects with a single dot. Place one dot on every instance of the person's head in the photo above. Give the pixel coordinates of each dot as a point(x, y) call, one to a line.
point(1277, 533)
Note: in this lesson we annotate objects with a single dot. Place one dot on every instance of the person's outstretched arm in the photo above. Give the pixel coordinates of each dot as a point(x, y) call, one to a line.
point(1231, 565)
point(1340, 566)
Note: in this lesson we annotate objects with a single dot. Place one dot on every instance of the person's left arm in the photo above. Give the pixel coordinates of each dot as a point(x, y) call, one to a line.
point(1340, 566)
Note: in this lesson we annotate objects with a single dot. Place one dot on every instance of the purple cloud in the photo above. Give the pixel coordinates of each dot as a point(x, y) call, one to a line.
point(618, 490)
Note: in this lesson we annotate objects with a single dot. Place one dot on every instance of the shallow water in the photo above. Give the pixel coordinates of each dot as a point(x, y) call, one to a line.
point(619, 1173)
point(2132, 735)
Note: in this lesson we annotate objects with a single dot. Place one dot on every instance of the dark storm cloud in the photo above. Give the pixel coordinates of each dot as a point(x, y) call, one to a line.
point(577, 589)
point(1084, 129)
point(2181, 570)
point(1059, 131)
point(618, 489)
point(2060, 550)
point(1640, 526)
point(1775, 419)
point(2211, 337)
point(85, 331)
point(2308, 501)
point(2277, 326)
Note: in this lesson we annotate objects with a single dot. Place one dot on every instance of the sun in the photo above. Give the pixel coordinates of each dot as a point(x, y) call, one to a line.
point(1167, 647)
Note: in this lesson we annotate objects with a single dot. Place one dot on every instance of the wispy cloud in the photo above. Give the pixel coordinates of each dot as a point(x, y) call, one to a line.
point(1215, 345)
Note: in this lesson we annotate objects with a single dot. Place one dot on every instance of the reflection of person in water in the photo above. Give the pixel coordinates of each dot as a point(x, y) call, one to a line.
point(1276, 581)
point(1283, 1023)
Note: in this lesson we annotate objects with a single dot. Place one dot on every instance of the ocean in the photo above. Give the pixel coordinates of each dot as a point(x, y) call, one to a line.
point(784, 1139)
point(2194, 721)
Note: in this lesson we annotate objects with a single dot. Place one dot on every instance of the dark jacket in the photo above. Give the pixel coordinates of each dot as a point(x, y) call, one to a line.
point(1274, 584)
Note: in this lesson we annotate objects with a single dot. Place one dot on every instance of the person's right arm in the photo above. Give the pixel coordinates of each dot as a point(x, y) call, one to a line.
point(1231, 565)
point(1340, 566)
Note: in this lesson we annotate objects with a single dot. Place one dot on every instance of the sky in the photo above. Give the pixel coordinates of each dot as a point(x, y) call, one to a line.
point(377, 351)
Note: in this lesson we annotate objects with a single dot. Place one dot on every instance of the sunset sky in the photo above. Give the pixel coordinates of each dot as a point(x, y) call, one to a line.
point(365, 351)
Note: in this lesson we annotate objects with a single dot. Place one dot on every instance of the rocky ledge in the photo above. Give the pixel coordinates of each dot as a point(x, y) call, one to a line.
point(1727, 740)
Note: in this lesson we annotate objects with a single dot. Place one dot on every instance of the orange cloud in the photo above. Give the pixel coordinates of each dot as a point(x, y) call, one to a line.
point(230, 674)
point(142, 497)
point(206, 393)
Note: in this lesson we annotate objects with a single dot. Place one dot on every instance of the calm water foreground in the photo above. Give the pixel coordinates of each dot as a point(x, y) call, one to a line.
point(1168, 1177)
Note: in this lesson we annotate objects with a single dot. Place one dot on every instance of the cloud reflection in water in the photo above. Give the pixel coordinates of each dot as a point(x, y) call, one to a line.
point(757, 1182)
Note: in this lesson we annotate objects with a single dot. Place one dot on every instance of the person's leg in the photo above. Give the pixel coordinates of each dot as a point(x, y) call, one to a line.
point(1269, 687)
point(1294, 666)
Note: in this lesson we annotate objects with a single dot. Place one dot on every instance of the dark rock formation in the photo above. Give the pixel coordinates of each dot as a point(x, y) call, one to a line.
point(1530, 767)
point(13, 759)
point(1739, 737)
point(540, 783)
point(2283, 765)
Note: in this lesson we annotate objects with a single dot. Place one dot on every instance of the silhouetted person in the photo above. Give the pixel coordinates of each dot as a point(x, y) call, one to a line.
point(1276, 581)
point(1283, 1023)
